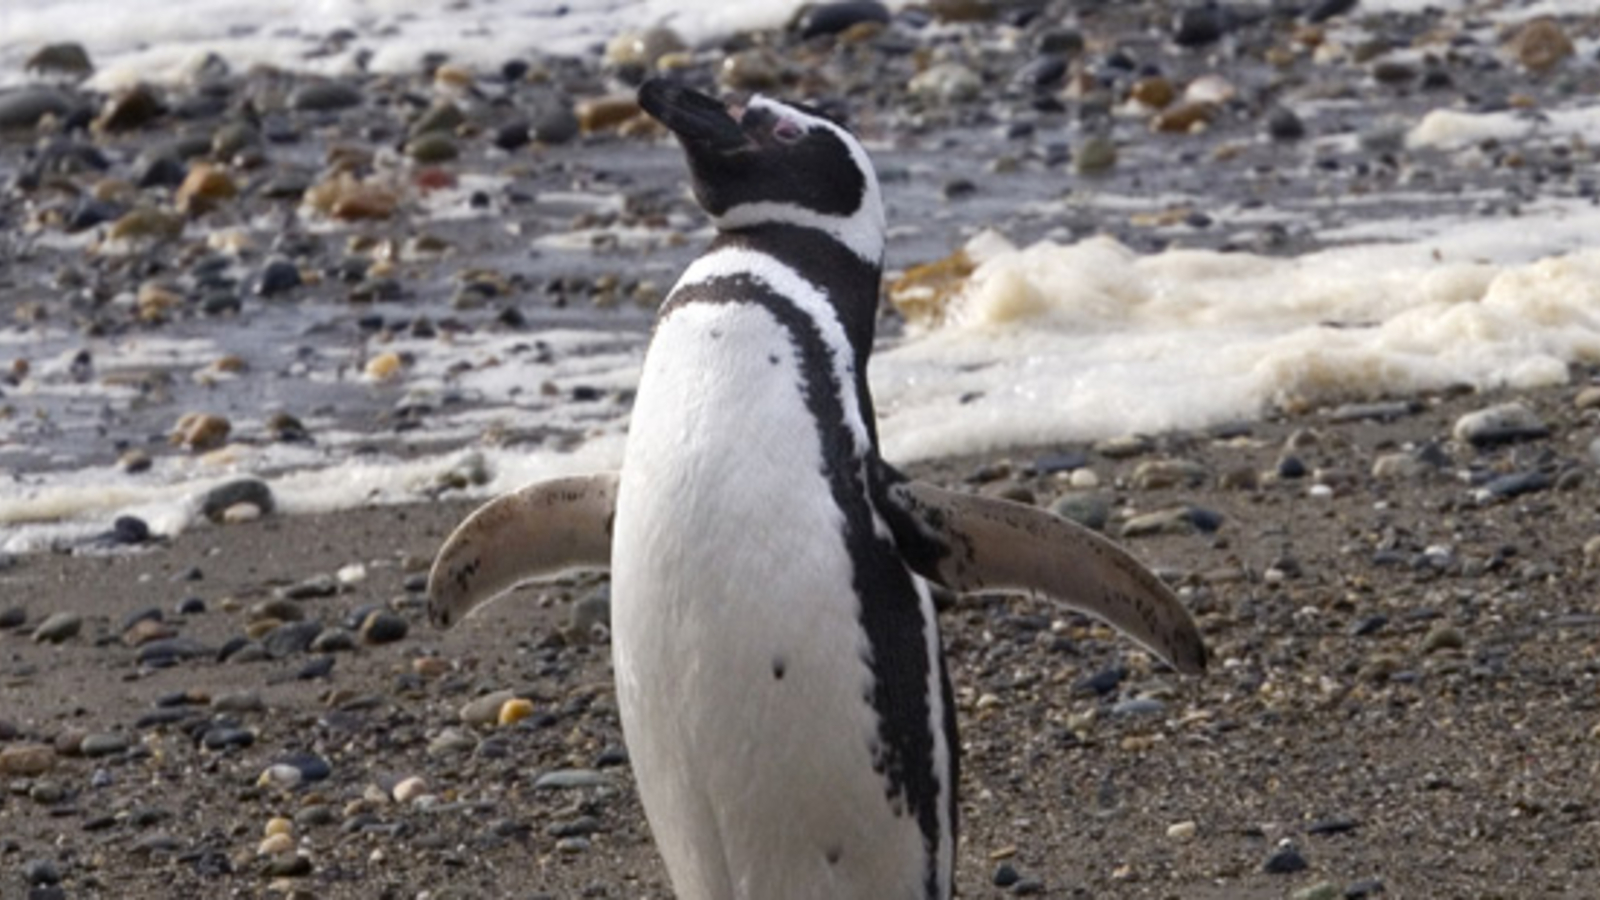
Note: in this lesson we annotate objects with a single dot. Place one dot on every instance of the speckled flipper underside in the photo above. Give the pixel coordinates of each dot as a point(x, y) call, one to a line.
point(543, 529)
point(971, 543)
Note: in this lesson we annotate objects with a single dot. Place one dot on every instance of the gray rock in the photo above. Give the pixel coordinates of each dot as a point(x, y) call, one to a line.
point(1090, 509)
point(238, 702)
point(1499, 425)
point(291, 638)
point(315, 586)
point(590, 613)
point(38, 872)
point(1139, 706)
point(832, 18)
point(325, 96)
point(58, 627)
point(565, 779)
point(103, 743)
point(25, 108)
point(232, 493)
point(334, 640)
point(1157, 474)
point(484, 711)
point(383, 627)
point(170, 650)
point(278, 276)
point(12, 617)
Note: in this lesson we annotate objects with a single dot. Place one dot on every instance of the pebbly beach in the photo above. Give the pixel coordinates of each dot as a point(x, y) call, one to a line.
point(1299, 302)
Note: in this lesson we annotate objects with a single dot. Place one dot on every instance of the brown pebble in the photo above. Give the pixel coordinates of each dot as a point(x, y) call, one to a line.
point(204, 189)
point(604, 113)
point(27, 760)
point(1184, 118)
point(199, 432)
point(1540, 45)
point(1155, 92)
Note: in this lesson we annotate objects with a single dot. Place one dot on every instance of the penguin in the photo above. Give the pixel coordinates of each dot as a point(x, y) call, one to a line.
point(780, 674)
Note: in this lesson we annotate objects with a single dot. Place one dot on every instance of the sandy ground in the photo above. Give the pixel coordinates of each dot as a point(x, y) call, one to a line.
point(1445, 750)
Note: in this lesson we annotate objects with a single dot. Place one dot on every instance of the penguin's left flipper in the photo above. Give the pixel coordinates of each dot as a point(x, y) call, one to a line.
point(543, 529)
point(971, 543)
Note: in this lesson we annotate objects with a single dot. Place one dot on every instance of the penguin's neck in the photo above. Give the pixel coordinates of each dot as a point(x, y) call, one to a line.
point(850, 283)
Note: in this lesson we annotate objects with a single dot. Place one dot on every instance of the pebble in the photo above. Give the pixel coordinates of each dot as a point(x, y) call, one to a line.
point(452, 741)
point(167, 651)
point(276, 843)
point(1442, 637)
point(57, 628)
point(409, 789)
point(1285, 860)
point(1322, 890)
point(1090, 509)
point(291, 638)
point(311, 588)
point(199, 432)
point(277, 276)
point(514, 710)
point(484, 711)
point(25, 108)
point(238, 702)
point(12, 617)
point(334, 640)
point(1095, 155)
point(227, 737)
point(946, 83)
point(1139, 706)
point(103, 743)
point(40, 872)
point(130, 108)
point(833, 18)
point(1500, 424)
point(204, 189)
point(383, 628)
point(1175, 520)
point(27, 760)
point(565, 779)
point(1541, 45)
point(325, 96)
point(1160, 474)
point(1182, 832)
point(591, 615)
point(69, 59)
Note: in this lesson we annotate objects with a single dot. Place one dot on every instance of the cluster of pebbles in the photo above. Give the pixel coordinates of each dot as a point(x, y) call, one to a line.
point(303, 224)
point(1398, 594)
point(1398, 597)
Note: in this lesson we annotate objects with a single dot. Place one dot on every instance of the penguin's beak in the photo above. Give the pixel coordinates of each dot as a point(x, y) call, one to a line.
point(702, 124)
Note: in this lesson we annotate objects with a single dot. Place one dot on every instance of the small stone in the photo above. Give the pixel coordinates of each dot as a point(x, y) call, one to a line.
point(130, 108)
point(1322, 890)
point(1124, 447)
point(1095, 155)
point(334, 640)
point(275, 844)
point(1139, 706)
point(1499, 425)
point(58, 627)
point(68, 59)
point(1284, 125)
point(291, 638)
point(555, 126)
point(1182, 832)
point(756, 69)
point(26, 108)
point(598, 114)
point(278, 609)
point(1090, 509)
point(1286, 860)
point(642, 49)
point(325, 96)
point(1005, 875)
point(289, 866)
point(204, 189)
point(946, 83)
point(1541, 44)
point(278, 276)
point(432, 147)
point(1442, 637)
point(146, 224)
point(1197, 26)
point(837, 17)
point(12, 617)
point(225, 737)
point(515, 710)
point(409, 789)
point(313, 587)
point(1187, 117)
point(309, 767)
point(383, 628)
point(27, 760)
point(1160, 474)
point(235, 702)
point(591, 615)
point(451, 742)
point(37, 872)
point(484, 711)
point(199, 432)
point(1175, 520)
point(567, 779)
point(104, 743)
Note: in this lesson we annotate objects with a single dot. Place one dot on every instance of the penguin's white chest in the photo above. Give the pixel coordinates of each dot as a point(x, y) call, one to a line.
point(741, 661)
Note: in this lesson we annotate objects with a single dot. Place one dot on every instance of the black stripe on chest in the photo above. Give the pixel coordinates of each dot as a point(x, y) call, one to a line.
point(891, 610)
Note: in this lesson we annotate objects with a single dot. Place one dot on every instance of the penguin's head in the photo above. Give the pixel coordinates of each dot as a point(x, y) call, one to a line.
point(773, 163)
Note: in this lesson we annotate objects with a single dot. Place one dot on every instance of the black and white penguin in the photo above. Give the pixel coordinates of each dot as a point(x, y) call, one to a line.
point(779, 669)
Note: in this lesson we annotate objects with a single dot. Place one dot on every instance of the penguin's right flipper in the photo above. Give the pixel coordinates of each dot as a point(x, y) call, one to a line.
point(542, 529)
point(971, 543)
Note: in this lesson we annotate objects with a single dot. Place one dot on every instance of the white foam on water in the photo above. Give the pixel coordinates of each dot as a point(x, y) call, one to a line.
point(1056, 342)
point(167, 41)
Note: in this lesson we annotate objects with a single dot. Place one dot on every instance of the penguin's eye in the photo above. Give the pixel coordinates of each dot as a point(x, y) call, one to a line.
point(787, 131)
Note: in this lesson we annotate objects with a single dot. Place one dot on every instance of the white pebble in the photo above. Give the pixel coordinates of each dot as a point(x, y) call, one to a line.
point(410, 789)
point(1182, 832)
point(355, 573)
point(1084, 478)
